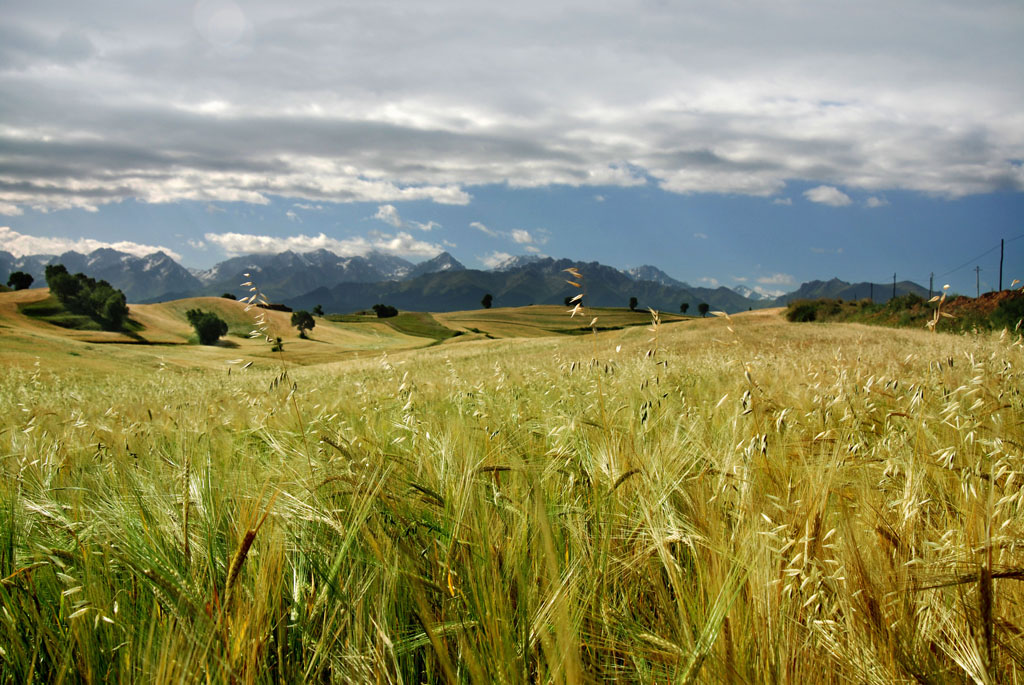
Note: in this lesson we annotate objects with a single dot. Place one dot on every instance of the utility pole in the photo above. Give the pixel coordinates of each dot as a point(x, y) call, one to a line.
point(931, 284)
point(1001, 243)
point(872, 292)
point(977, 279)
point(894, 286)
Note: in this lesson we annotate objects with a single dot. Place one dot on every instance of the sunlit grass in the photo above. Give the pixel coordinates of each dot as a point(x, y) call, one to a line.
point(770, 503)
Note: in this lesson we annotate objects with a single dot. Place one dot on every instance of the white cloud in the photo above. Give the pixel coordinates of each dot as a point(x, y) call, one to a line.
point(828, 195)
point(495, 259)
point(599, 198)
point(389, 215)
point(532, 249)
point(777, 279)
point(708, 280)
point(401, 243)
point(8, 209)
point(20, 245)
point(214, 209)
point(308, 207)
point(700, 236)
point(292, 216)
point(874, 202)
point(521, 236)
point(428, 226)
point(784, 201)
point(483, 229)
point(196, 244)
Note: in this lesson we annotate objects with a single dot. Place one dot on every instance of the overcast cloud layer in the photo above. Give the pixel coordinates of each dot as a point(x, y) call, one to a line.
point(390, 101)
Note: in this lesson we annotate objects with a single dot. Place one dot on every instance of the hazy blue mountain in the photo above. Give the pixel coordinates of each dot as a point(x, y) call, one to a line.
point(534, 281)
point(647, 272)
point(838, 289)
point(288, 274)
point(141, 279)
point(442, 262)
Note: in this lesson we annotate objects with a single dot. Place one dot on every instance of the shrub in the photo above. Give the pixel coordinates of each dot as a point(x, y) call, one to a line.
point(802, 310)
point(209, 327)
point(1009, 313)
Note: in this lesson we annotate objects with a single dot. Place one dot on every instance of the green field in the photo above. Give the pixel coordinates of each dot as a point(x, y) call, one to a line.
point(722, 501)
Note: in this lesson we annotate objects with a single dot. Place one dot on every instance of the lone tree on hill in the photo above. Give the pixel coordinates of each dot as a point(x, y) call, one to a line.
point(318, 311)
point(703, 308)
point(487, 301)
point(632, 304)
point(385, 311)
point(303, 320)
point(229, 296)
point(683, 307)
point(209, 327)
point(19, 280)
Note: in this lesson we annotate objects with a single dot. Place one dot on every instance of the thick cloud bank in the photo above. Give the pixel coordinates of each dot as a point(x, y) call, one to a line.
point(390, 101)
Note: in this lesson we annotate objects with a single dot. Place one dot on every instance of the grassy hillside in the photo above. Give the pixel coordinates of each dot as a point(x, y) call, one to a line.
point(543, 320)
point(754, 501)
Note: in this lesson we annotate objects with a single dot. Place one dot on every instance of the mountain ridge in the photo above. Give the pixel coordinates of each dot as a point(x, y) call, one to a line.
point(348, 283)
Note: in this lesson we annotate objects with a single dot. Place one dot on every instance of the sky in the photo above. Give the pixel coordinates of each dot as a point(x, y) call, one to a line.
point(726, 142)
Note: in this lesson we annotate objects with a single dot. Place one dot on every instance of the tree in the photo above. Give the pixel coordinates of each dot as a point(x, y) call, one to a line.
point(303, 320)
point(209, 327)
point(81, 294)
point(318, 311)
point(568, 300)
point(19, 280)
point(703, 308)
point(229, 296)
point(683, 307)
point(632, 304)
point(385, 311)
point(486, 302)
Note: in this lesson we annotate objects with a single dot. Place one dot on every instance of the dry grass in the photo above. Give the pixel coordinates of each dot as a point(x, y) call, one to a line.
point(770, 503)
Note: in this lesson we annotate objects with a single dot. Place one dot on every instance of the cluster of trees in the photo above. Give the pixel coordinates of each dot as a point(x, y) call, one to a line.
point(385, 311)
point(81, 294)
point(19, 280)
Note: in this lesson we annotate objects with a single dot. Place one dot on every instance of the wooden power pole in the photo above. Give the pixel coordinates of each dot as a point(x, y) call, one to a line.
point(977, 280)
point(1001, 244)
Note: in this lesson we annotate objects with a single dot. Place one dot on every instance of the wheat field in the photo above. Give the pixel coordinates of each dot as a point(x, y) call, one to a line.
point(721, 501)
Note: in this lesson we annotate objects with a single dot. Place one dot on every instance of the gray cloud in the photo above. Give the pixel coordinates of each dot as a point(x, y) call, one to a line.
point(384, 102)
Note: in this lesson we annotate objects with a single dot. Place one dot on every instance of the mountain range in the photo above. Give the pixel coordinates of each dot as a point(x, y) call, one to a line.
point(343, 284)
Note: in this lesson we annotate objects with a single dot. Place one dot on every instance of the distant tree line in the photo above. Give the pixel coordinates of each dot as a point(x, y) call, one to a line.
point(81, 294)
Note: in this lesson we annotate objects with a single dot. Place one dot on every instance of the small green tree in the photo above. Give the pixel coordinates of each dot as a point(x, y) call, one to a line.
point(229, 296)
point(318, 311)
point(209, 327)
point(703, 308)
point(384, 311)
point(568, 300)
point(632, 304)
point(19, 280)
point(487, 301)
point(683, 307)
point(303, 320)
